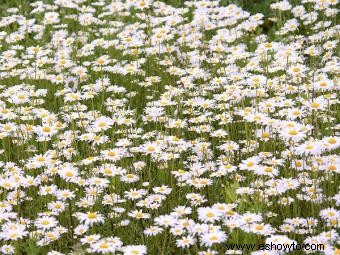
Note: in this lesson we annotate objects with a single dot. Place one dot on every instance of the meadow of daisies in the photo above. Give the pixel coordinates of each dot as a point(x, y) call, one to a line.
point(145, 127)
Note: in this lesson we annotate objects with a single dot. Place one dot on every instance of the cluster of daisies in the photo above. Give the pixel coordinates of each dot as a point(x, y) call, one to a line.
point(136, 127)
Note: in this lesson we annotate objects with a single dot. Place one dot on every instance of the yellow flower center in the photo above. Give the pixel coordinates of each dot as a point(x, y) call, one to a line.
point(111, 153)
point(69, 174)
point(46, 129)
point(315, 105)
point(250, 164)
point(213, 238)
point(332, 140)
point(292, 132)
point(210, 214)
point(45, 222)
point(91, 215)
point(104, 246)
point(265, 135)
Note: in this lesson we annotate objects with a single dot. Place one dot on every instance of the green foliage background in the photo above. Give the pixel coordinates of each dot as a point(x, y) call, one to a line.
point(253, 6)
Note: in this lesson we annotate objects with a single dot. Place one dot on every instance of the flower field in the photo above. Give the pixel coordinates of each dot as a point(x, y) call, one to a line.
point(167, 128)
